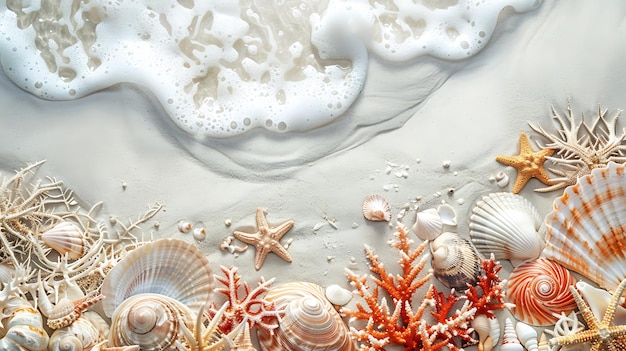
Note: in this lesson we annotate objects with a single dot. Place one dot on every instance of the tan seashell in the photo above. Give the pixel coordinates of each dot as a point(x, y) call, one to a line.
point(309, 322)
point(65, 238)
point(86, 332)
point(454, 261)
point(539, 289)
point(527, 336)
point(23, 329)
point(243, 341)
point(169, 267)
point(506, 225)
point(543, 344)
point(65, 311)
point(428, 224)
point(585, 231)
point(510, 342)
point(376, 208)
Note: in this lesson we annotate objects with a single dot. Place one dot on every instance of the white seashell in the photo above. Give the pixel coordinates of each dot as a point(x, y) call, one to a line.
point(243, 341)
point(65, 311)
point(506, 225)
point(598, 300)
point(428, 224)
point(495, 331)
point(482, 326)
point(86, 332)
point(184, 226)
point(502, 180)
point(337, 295)
point(65, 238)
point(309, 322)
point(544, 344)
point(527, 335)
point(376, 208)
point(510, 342)
point(447, 214)
point(585, 229)
point(168, 267)
point(454, 261)
point(199, 234)
point(540, 290)
point(23, 329)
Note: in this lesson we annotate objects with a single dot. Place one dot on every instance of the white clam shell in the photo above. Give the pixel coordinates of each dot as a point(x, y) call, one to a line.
point(428, 224)
point(376, 208)
point(454, 261)
point(65, 238)
point(168, 267)
point(506, 225)
point(447, 214)
point(337, 295)
point(585, 231)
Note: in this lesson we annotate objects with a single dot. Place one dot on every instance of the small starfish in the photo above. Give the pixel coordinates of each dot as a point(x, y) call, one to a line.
point(601, 335)
point(266, 239)
point(529, 164)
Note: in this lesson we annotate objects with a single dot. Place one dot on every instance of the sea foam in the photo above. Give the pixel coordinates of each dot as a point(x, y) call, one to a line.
point(221, 68)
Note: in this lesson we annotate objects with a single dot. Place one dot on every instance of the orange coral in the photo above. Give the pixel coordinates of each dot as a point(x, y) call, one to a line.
point(490, 295)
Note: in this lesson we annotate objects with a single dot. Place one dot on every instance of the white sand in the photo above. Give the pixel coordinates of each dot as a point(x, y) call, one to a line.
point(565, 49)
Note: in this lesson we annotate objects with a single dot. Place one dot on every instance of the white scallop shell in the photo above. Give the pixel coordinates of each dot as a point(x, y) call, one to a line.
point(376, 208)
point(428, 224)
point(87, 331)
point(585, 231)
point(168, 267)
point(506, 225)
point(454, 261)
point(447, 214)
point(309, 322)
point(65, 238)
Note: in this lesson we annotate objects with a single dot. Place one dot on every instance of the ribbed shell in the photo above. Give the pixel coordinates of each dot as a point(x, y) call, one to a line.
point(454, 261)
point(539, 289)
point(168, 267)
point(87, 331)
point(376, 208)
point(586, 229)
point(65, 238)
point(506, 225)
point(309, 322)
point(428, 224)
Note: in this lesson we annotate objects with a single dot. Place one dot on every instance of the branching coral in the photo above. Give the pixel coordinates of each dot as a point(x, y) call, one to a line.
point(488, 295)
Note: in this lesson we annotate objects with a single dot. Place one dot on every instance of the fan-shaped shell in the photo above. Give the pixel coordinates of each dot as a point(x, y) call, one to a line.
point(376, 208)
point(65, 238)
point(428, 224)
point(454, 261)
point(168, 267)
point(154, 322)
point(586, 229)
point(539, 289)
point(506, 225)
point(309, 322)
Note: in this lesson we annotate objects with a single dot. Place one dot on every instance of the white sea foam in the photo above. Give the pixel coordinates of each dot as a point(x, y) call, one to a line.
point(220, 68)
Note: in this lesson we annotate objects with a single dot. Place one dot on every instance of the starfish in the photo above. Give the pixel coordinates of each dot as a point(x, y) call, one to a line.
point(529, 164)
point(601, 335)
point(266, 239)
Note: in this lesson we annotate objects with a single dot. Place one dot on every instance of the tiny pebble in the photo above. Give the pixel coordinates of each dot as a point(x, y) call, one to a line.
point(460, 201)
point(446, 164)
point(228, 222)
point(354, 225)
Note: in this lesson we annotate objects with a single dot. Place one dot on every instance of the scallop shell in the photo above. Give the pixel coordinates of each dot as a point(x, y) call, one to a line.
point(309, 322)
point(154, 322)
point(168, 267)
point(65, 238)
point(585, 230)
point(539, 289)
point(87, 331)
point(506, 225)
point(428, 224)
point(376, 208)
point(454, 261)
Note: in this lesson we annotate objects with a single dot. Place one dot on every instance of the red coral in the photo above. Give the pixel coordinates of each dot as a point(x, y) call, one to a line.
point(488, 293)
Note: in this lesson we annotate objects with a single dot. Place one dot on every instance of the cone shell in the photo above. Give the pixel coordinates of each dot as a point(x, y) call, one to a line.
point(65, 238)
point(376, 208)
point(428, 224)
point(309, 322)
point(168, 267)
point(454, 261)
point(586, 229)
point(506, 225)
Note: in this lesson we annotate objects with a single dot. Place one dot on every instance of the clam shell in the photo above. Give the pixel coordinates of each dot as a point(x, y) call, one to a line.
point(428, 224)
point(65, 238)
point(376, 208)
point(585, 230)
point(506, 225)
point(337, 295)
point(540, 289)
point(309, 322)
point(447, 214)
point(454, 261)
point(168, 267)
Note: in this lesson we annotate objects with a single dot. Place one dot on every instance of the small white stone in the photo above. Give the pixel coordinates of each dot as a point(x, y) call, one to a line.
point(337, 295)
point(228, 222)
point(460, 201)
point(354, 225)
point(446, 164)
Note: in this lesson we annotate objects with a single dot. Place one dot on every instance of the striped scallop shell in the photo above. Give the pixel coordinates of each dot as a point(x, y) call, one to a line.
point(376, 208)
point(428, 224)
point(506, 225)
point(167, 267)
point(586, 229)
point(454, 261)
point(65, 238)
point(309, 322)
point(540, 289)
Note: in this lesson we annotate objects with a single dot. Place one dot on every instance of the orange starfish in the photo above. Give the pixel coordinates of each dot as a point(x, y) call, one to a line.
point(266, 239)
point(529, 164)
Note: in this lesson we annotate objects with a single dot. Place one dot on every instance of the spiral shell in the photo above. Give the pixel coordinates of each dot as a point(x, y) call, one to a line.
point(510, 342)
point(87, 331)
point(66, 239)
point(168, 267)
point(428, 224)
point(309, 322)
point(154, 322)
point(376, 208)
point(539, 289)
point(454, 261)
point(502, 180)
point(585, 231)
point(23, 330)
point(527, 336)
point(506, 225)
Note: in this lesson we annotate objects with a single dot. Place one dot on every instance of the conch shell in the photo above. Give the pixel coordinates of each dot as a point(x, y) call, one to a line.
point(84, 334)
